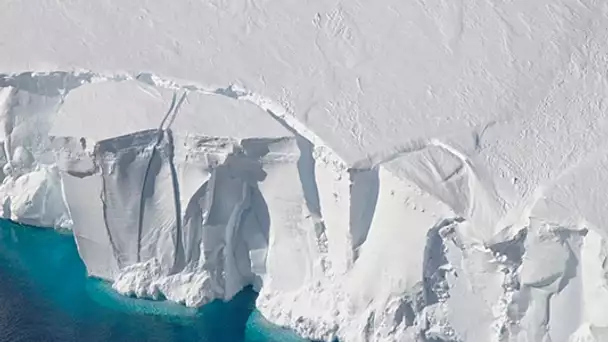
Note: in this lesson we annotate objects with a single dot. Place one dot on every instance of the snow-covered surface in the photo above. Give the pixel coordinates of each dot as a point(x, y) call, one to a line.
point(422, 170)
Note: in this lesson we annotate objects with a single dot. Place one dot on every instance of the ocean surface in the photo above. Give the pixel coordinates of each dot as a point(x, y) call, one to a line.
point(45, 295)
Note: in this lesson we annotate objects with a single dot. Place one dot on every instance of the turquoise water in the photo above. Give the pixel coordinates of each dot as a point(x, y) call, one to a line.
point(46, 296)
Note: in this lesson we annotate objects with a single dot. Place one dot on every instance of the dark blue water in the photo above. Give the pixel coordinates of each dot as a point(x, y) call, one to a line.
point(46, 296)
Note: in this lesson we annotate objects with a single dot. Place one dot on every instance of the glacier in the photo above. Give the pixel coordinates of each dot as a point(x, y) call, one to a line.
point(402, 171)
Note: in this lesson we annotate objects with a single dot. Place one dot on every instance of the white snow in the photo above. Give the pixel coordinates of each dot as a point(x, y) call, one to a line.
point(422, 170)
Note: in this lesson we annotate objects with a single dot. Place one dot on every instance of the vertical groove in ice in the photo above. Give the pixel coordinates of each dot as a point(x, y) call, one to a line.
point(123, 162)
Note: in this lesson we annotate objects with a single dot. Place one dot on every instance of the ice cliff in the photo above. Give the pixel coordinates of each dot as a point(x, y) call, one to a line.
point(393, 171)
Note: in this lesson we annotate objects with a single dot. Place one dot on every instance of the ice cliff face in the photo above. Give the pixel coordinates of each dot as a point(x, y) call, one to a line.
point(396, 171)
point(378, 250)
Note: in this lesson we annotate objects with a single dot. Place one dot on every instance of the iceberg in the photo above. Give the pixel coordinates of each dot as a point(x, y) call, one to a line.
point(403, 171)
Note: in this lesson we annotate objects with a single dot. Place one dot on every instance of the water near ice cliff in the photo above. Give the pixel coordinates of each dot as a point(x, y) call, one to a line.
point(46, 296)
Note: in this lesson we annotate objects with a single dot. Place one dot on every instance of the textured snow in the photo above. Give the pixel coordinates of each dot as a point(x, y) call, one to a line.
point(393, 171)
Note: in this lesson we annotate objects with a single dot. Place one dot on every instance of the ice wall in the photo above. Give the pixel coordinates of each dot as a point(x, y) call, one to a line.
point(418, 243)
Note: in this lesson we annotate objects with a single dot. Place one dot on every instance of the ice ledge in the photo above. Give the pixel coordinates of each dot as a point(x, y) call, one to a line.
point(387, 248)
